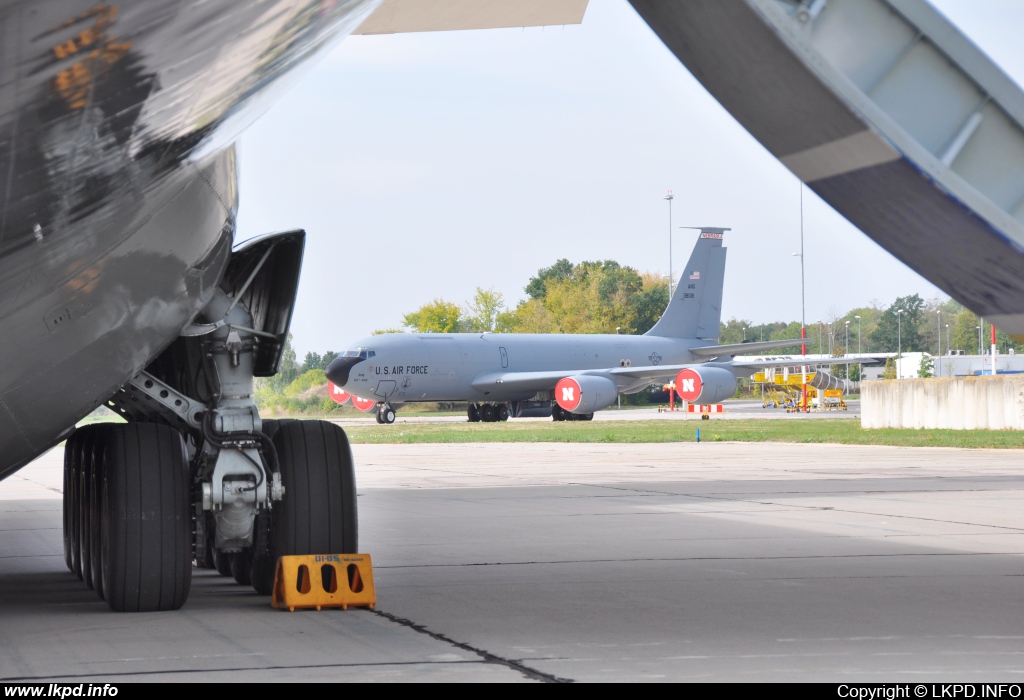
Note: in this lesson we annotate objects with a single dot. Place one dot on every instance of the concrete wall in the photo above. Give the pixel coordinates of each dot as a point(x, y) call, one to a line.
point(960, 403)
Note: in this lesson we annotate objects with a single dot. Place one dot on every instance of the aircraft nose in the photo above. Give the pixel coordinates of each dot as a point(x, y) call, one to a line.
point(339, 368)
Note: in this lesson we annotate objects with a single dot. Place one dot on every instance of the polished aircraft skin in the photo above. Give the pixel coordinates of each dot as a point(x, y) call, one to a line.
point(118, 183)
point(503, 367)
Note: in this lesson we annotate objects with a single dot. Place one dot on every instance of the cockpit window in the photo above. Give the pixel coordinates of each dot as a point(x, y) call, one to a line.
point(361, 353)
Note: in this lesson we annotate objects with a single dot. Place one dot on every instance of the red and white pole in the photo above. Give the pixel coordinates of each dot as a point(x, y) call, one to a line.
point(993, 349)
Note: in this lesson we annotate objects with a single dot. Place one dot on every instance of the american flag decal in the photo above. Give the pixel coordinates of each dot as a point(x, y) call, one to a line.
point(695, 276)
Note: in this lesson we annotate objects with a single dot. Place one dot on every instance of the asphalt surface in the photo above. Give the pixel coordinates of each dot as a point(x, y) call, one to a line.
point(734, 410)
point(541, 562)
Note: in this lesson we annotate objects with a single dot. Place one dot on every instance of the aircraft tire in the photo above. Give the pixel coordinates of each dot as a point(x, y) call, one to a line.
point(473, 413)
point(487, 413)
point(261, 574)
point(222, 562)
point(503, 413)
point(387, 416)
point(558, 413)
point(241, 567)
point(318, 512)
point(380, 418)
point(72, 465)
point(147, 562)
point(87, 468)
point(94, 505)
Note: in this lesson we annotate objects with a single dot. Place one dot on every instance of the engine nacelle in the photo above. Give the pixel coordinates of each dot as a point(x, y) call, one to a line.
point(585, 393)
point(705, 384)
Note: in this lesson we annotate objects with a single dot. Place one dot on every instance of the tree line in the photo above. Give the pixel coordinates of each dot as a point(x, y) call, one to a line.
point(606, 297)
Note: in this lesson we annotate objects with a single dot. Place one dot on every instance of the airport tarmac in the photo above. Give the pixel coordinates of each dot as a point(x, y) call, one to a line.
point(544, 562)
point(734, 410)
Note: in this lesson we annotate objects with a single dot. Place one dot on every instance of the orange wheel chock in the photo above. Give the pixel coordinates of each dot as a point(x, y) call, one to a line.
point(324, 581)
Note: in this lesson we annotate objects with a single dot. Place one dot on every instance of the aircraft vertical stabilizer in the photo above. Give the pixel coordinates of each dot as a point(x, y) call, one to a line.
point(696, 307)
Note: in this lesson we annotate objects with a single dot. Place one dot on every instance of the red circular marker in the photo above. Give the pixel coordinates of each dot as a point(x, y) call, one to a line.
point(338, 394)
point(568, 394)
point(364, 405)
point(688, 385)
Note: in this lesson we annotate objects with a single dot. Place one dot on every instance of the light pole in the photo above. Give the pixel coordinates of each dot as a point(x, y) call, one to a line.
point(938, 313)
point(979, 341)
point(669, 197)
point(744, 334)
point(803, 304)
point(899, 341)
point(860, 370)
point(819, 339)
point(846, 349)
point(947, 346)
point(618, 396)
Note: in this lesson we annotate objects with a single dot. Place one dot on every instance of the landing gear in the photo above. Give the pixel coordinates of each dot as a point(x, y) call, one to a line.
point(487, 412)
point(196, 475)
point(559, 414)
point(385, 414)
point(318, 514)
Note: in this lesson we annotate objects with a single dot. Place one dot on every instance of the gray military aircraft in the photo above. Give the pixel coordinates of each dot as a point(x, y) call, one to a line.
point(565, 376)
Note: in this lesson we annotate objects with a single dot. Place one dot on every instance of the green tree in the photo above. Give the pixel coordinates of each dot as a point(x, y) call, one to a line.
point(439, 316)
point(648, 304)
point(964, 334)
point(890, 368)
point(537, 286)
point(312, 361)
point(483, 312)
point(925, 370)
point(893, 332)
point(385, 331)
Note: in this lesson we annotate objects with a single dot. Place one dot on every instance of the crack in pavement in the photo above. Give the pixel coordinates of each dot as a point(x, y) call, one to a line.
point(488, 657)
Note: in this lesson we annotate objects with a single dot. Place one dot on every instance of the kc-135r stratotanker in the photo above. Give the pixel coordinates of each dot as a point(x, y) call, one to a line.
point(565, 376)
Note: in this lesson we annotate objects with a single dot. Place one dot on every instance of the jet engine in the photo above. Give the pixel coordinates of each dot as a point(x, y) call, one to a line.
point(705, 384)
point(585, 393)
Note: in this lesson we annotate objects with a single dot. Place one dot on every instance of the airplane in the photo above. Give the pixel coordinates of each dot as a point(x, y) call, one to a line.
point(121, 284)
point(568, 377)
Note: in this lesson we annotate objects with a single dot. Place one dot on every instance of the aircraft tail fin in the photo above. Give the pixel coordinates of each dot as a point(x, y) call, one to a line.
point(695, 310)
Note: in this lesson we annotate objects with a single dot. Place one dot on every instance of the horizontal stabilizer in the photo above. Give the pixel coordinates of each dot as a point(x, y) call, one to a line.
point(404, 16)
point(742, 348)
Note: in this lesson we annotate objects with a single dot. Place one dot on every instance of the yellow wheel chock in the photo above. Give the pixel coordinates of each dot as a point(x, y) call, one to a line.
point(324, 581)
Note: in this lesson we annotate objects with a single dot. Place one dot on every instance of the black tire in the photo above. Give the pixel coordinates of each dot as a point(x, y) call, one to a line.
point(318, 512)
point(241, 567)
point(487, 413)
point(146, 519)
point(473, 413)
point(587, 416)
point(222, 562)
point(92, 453)
point(389, 415)
point(90, 497)
point(557, 413)
point(72, 465)
point(503, 413)
point(380, 418)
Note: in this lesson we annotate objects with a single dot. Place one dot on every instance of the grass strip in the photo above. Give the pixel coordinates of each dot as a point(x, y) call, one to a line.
point(847, 432)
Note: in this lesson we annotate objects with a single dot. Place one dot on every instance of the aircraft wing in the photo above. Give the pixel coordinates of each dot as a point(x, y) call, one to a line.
point(542, 381)
point(798, 362)
point(751, 348)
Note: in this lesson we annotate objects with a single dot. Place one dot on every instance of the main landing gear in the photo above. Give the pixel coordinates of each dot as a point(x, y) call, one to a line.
point(195, 474)
point(559, 414)
point(487, 412)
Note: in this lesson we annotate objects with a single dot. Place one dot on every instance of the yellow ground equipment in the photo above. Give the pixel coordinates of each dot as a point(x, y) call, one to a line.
point(781, 387)
point(324, 581)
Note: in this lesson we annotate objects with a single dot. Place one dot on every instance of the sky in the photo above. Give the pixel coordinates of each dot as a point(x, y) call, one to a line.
point(424, 166)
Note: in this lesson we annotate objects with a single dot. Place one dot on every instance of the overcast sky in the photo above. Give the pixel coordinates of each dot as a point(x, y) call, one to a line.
point(425, 165)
